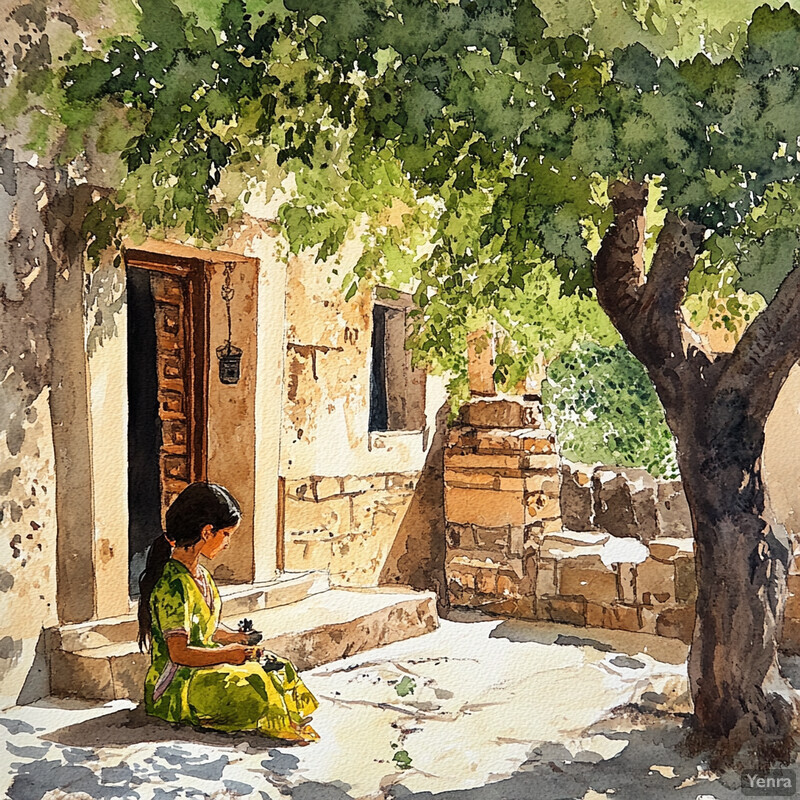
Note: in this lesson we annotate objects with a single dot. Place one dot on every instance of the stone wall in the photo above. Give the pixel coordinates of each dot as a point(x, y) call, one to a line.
point(623, 501)
point(346, 525)
point(530, 535)
point(501, 498)
point(365, 505)
point(28, 273)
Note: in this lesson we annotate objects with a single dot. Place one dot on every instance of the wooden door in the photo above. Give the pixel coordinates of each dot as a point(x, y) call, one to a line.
point(179, 289)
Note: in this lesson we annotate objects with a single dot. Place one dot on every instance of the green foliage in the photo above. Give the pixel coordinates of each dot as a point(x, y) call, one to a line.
point(605, 409)
point(468, 144)
point(405, 686)
point(402, 759)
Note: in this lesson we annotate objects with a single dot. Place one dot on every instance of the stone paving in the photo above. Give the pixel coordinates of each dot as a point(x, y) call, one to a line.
point(481, 709)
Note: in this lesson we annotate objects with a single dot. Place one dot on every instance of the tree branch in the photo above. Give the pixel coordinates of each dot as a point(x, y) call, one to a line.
point(660, 311)
point(647, 310)
point(769, 348)
point(619, 264)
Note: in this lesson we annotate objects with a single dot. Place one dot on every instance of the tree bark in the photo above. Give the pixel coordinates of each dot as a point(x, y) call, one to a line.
point(716, 406)
point(743, 712)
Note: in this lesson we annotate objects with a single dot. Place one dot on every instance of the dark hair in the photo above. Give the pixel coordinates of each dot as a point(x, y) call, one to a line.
point(198, 505)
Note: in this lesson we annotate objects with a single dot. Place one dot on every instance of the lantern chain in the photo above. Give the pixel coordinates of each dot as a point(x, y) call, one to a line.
point(227, 291)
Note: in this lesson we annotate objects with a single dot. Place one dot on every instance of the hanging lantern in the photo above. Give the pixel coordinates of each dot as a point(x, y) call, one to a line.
point(230, 357)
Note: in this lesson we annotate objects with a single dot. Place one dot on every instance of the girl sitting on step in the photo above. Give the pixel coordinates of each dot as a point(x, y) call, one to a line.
point(202, 673)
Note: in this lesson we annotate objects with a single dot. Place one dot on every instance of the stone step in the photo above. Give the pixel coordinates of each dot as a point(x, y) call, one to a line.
point(318, 629)
point(238, 600)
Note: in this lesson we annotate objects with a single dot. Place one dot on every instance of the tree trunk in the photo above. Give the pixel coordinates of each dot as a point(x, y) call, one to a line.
point(743, 711)
point(717, 406)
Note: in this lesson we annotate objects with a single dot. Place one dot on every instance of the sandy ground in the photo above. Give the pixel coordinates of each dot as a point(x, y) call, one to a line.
point(478, 710)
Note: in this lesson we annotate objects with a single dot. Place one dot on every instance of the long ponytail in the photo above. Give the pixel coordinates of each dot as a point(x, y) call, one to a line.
point(198, 505)
point(157, 556)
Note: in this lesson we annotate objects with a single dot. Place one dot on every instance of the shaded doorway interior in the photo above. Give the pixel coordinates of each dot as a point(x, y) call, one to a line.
point(144, 424)
point(166, 396)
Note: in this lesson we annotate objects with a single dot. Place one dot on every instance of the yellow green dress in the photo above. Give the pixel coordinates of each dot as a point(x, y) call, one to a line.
point(224, 697)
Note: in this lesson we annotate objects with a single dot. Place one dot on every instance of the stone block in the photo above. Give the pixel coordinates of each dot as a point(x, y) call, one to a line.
point(462, 436)
point(789, 641)
point(330, 516)
point(561, 544)
point(626, 582)
point(593, 584)
point(462, 575)
point(516, 540)
point(483, 507)
point(506, 585)
point(655, 582)
point(614, 616)
point(685, 579)
point(676, 623)
point(625, 502)
point(543, 481)
point(549, 464)
point(456, 458)
point(664, 549)
point(79, 675)
point(504, 413)
point(559, 609)
point(460, 536)
point(546, 577)
point(472, 479)
point(128, 674)
point(577, 503)
point(492, 539)
point(325, 487)
point(357, 484)
point(526, 440)
point(516, 607)
point(792, 608)
point(537, 530)
point(672, 510)
point(486, 581)
point(542, 506)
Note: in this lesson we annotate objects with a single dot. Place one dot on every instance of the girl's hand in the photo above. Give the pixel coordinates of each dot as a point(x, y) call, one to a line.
point(238, 654)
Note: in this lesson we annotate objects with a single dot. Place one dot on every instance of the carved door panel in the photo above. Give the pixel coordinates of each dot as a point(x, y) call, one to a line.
point(173, 355)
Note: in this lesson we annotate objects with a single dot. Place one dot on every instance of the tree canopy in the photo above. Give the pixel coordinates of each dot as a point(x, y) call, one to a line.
point(471, 145)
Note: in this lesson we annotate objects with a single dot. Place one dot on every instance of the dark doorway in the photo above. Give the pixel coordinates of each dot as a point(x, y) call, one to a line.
point(167, 391)
point(144, 423)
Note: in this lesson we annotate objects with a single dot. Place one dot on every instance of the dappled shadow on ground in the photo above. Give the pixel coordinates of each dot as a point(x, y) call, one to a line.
point(126, 754)
point(650, 767)
point(668, 651)
point(134, 726)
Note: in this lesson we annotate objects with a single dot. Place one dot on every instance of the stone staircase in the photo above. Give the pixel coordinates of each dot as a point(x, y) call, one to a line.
point(300, 615)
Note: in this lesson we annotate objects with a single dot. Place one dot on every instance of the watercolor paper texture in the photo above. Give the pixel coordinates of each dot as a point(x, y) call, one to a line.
point(485, 312)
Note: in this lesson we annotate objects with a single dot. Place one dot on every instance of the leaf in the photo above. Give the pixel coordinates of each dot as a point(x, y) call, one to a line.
point(405, 686)
point(402, 759)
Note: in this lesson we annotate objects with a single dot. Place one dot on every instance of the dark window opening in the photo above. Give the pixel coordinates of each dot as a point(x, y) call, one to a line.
point(397, 389)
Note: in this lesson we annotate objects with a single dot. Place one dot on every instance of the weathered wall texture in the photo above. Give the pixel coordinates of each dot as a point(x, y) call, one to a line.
point(366, 506)
point(27, 472)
